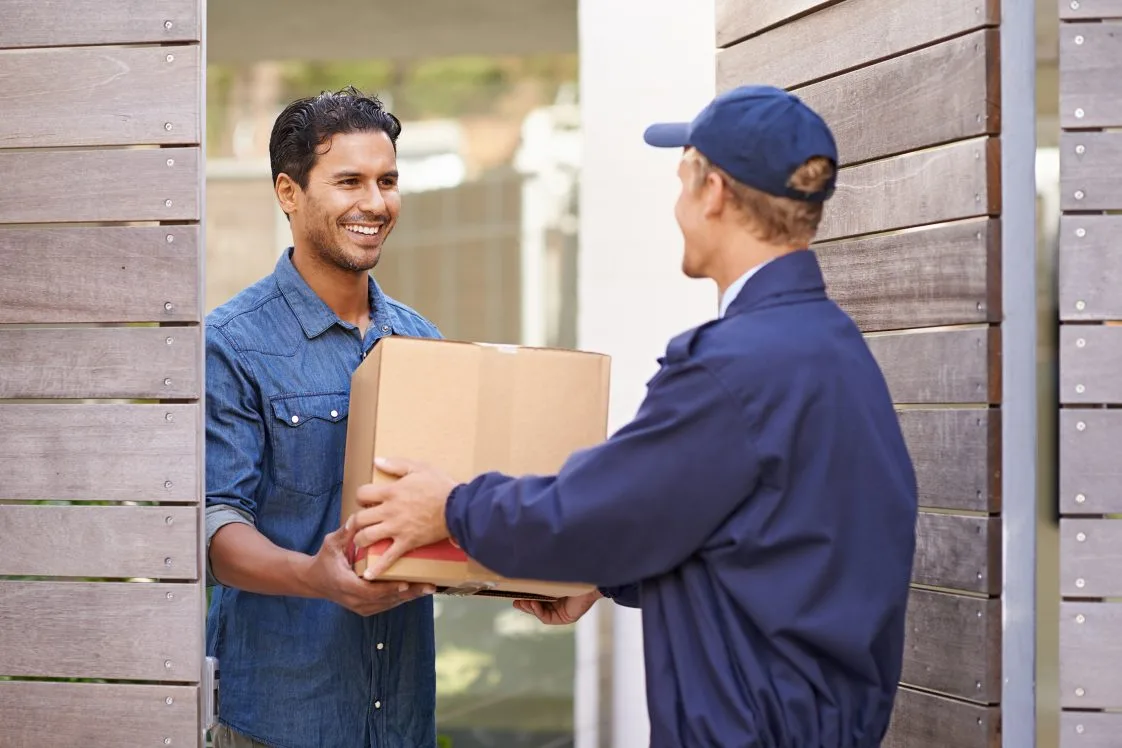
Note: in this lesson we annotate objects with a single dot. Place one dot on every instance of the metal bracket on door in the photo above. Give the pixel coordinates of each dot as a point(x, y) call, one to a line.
point(210, 693)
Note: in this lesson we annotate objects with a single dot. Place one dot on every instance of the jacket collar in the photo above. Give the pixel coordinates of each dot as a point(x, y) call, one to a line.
point(313, 314)
point(797, 272)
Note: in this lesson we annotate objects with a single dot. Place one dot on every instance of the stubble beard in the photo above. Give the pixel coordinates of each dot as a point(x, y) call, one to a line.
point(327, 248)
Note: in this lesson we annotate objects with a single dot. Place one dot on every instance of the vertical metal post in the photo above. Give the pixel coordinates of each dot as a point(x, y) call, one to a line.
point(1019, 407)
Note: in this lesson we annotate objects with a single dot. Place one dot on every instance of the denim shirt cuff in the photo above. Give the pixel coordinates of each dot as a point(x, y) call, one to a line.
point(217, 517)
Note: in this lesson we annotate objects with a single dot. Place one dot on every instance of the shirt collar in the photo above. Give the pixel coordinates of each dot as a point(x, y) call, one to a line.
point(313, 314)
point(734, 288)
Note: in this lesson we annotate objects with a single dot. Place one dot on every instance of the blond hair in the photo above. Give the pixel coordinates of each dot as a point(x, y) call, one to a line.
point(775, 220)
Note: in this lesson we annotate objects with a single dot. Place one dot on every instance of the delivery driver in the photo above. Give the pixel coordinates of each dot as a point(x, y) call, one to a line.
point(760, 508)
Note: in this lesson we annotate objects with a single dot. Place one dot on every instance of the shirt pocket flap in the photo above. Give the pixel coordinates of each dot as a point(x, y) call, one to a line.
point(296, 410)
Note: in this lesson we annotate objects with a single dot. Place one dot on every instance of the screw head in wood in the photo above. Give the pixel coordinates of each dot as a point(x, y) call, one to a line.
point(1080, 305)
point(1079, 729)
point(167, 203)
point(1079, 113)
point(1081, 426)
point(1080, 498)
point(1079, 39)
point(1080, 583)
point(167, 126)
point(1080, 537)
point(168, 25)
point(1079, 389)
point(1081, 233)
point(1080, 343)
point(170, 238)
point(1080, 618)
point(1079, 195)
point(1075, 4)
point(1080, 149)
point(171, 162)
point(1079, 692)
point(169, 701)
point(170, 58)
point(169, 417)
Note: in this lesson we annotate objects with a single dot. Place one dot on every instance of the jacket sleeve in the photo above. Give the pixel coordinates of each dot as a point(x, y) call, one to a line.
point(631, 508)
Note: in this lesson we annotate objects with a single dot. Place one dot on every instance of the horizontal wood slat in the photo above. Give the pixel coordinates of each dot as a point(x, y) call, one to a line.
point(124, 362)
point(899, 192)
point(947, 275)
point(1090, 364)
point(112, 630)
point(960, 552)
point(1090, 68)
point(126, 96)
point(846, 36)
point(737, 19)
point(97, 715)
point(1090, 729)
point(922, 720)
point(1090, 470)
point(941, 366)
point(1091, 558)
point(116, 185)
point(99, 452)
point(35, 23)
point(957, 457)
point(953, 645)
point(897, 97)
point(109, 274)
point(1090, 9)
point(1090, 655)
point(99, 541)
point(1091, 178)
point(1090, 267)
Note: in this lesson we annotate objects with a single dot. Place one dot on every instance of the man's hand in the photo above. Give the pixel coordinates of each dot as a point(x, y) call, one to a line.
point(329, 575)
point(560, 612)
point(408, 511)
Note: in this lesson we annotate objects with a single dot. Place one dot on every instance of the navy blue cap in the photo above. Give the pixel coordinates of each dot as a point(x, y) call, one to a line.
point(759, 135)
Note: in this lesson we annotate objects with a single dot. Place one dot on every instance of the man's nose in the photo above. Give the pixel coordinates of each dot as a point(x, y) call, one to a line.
point(372, 201)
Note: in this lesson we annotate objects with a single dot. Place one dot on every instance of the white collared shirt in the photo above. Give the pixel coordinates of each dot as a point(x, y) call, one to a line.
point(735, 287)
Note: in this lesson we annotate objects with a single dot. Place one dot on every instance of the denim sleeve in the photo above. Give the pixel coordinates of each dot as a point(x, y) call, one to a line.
point(235, 435)
point(627, 595)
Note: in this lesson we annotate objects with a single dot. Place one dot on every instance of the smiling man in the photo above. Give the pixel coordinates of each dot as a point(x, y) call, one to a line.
point(310, 655)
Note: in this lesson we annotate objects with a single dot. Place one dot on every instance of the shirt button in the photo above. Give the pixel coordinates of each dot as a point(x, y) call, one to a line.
point(381, 645)
point(296, 419)
point(377, 705)
point(334, 414)
point(385, 328)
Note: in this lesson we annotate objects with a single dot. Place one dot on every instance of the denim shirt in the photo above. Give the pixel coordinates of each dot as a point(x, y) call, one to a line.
point(297, 672)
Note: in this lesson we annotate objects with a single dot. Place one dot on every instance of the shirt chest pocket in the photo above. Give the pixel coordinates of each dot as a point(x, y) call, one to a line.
point(308, 435)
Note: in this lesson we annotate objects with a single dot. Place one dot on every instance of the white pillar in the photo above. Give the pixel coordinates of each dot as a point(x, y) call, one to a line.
point(642, 61)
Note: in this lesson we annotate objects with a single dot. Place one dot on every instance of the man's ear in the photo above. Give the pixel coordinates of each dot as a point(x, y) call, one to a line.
point(713, 194)
point(288, 193)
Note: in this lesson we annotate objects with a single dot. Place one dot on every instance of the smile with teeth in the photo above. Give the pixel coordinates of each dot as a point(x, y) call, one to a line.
point(360, 229)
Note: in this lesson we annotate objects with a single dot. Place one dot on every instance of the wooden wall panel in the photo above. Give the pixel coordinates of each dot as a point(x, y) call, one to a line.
point(35, 23)
point(1090, 655)
point(947, 275)
point(923, 720)
point(1092, 67)
point(844, 36)
point(111, 274)
point(953, 645)
point(897, 193)
point(121, 362)
point(158, 184)
point(1090, 9)
point(957, 456)
point(1089, 265)
point(1090, 470)
point(158, 86)
point(1091, 170)
point(941, 366)
point(1091, 558)
point(960, 552)
point(1090, 730)
point(736, 19)
point(99, 452)
point(97, 715)
point(1091, 364)
point(111, 630)
point(99, 541)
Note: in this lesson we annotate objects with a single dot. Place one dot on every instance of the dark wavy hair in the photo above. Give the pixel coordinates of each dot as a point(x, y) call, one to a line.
point(306, 124)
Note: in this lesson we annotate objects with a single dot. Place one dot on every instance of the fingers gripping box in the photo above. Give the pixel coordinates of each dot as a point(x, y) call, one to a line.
point(469, 408)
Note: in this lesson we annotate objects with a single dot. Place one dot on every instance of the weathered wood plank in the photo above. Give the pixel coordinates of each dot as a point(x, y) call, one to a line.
point(145, 184)
point(1090, 558)
point(112, 630)
point(1091, 171)
point(898, 95)
point(900, 192)
point(42, 23)
point(957, 456)
point(124, 362)
point(99, 541)
point(1090, 729)
point(922, 720)
point(1090, 68)
point(97, 715)
point(111, 274)
point(851, 35)
point(99, 452)
point(961, 552)
point(1090, 9)
point(1090, 362)
point(127, 96)
point(953, 645)
point(1090, 267)
point(941, 366)
point(947, 275)
point(737, 19)
point(1090, 655)
point(1090, 471)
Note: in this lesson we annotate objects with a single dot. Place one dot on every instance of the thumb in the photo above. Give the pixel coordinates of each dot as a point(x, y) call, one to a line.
point(385, 561)
point(395, 467)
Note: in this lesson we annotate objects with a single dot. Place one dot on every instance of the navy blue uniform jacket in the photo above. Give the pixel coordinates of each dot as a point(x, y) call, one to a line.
point(760, 509)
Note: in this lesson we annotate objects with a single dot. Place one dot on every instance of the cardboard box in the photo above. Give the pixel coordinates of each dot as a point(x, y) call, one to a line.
point(468, 408)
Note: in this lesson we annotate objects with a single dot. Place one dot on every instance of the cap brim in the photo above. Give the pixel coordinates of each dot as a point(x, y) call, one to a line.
point(668, 135)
